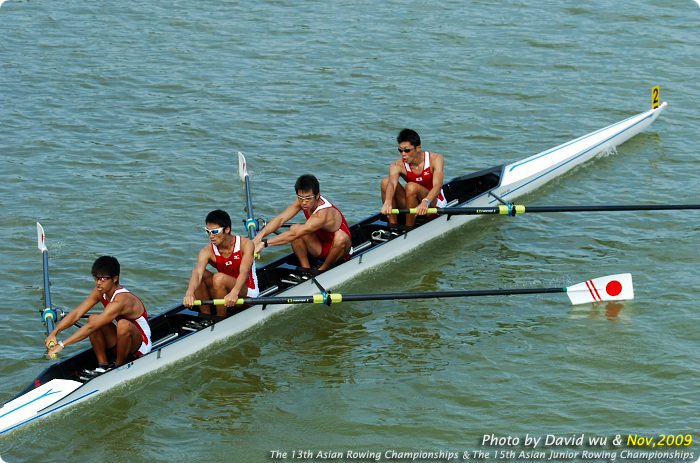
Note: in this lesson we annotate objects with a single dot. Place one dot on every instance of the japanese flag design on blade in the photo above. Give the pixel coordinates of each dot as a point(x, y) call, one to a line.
point(609, 288)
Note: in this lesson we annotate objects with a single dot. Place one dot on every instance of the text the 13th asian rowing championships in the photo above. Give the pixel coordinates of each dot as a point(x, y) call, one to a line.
point(630, 447)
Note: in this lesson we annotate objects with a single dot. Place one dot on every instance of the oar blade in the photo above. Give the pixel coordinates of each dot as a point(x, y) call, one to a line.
point(609, 288)
point(41, 239)
point(242, 167)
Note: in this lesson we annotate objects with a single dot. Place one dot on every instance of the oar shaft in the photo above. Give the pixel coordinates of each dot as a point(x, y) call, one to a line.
point(622, 207)
point(48, 314)
point(252, 231)
point(519, 209)
point(337, 297)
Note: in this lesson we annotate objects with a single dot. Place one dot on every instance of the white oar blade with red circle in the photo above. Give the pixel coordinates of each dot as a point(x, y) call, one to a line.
point(609, 288)
point(242, 168)
point(41, 238)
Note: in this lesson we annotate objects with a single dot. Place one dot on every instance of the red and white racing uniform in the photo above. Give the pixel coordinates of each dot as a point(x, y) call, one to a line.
point(326, 237)
point(231, 266)
point(425, 178)
point(141, 323)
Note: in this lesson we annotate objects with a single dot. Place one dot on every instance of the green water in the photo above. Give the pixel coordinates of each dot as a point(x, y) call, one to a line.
point(120, 128)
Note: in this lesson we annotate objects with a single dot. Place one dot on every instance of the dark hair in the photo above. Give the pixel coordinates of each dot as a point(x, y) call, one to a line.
point(307, 182)
point(106, 265)
point(410, 136)
point(219, 217)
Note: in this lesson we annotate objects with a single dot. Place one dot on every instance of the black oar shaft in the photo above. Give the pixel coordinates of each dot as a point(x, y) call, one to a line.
point(446, 294)
point(518, 209)
point(632, 207)
point(337, 297)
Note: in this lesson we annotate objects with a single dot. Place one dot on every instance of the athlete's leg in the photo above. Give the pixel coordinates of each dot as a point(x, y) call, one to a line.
point(305, 245)
point(414, 195)
point(339, 249)
point(128, 340)
point(101, 339)
point(399, 198)
point(222, 285)
point(205, 290)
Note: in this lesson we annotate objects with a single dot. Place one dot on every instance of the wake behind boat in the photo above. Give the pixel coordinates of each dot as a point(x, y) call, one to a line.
point(179, 332)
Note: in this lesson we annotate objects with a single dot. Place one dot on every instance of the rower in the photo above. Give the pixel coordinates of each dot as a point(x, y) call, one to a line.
point(128, 339)
point(232, 257)
point(325, 234)
point(423, 173)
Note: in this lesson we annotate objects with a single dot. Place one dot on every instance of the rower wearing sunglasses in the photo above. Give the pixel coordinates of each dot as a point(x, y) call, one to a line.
point(232, 257)
point(423, 173)
point(127, 339)
point(325, 234)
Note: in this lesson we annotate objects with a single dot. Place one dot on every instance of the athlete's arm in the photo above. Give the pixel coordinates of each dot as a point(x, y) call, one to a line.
point(247, 253)
point(204, 256)
point(95, 322)
point(274, 224)
point(73, 316)
point(313, 223)
point(437, 163)
point(394, 172)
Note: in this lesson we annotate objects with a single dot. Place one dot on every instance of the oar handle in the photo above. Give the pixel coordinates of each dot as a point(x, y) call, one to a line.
point(239, 301)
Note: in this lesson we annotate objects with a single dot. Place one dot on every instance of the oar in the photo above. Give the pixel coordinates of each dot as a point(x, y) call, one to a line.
point(513, 209)
point(608, 288)
point(250, 224)
point(48, 315)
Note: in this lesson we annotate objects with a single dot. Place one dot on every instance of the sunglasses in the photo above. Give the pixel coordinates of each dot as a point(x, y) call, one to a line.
point(214, 231)
point(101, 278)
point(407, 150)
point(306, 198)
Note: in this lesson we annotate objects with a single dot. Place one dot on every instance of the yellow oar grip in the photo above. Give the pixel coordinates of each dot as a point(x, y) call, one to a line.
point(504, 210)
point(335, 297)
point(51, 344)
point(239, 301)
point(431, 210)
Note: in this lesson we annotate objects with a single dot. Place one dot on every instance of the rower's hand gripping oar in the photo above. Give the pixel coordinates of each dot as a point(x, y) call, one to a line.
point(608, 288)
point(513, 209)
point(48, 314)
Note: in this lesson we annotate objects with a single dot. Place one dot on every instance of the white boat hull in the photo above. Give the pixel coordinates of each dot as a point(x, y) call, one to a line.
point(516, 179)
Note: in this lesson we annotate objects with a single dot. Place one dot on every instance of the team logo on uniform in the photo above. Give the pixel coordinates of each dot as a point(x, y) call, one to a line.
point(419, 179)
point(228, 262)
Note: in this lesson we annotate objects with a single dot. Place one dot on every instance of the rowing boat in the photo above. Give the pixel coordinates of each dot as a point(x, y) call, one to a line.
point(179, 332)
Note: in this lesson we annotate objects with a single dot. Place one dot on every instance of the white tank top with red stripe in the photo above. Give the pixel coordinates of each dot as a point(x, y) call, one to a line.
point(141, 323)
